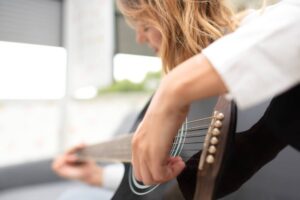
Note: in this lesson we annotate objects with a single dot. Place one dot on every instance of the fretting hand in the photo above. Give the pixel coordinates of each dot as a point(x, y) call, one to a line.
point(69, 166)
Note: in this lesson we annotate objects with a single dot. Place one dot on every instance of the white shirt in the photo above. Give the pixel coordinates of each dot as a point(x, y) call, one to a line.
point(261, 58)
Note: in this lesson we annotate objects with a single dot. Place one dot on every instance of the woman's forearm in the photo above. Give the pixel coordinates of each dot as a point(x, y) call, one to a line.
point(152, 141)
point(193, 79)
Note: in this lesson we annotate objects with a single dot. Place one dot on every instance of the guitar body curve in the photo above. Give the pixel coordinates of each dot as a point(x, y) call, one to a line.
point(164, 191)
point(169, 190)
point(242, 154)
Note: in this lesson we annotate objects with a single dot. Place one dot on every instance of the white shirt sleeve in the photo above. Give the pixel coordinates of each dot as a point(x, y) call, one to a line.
point(112, 175)
point(261, 58)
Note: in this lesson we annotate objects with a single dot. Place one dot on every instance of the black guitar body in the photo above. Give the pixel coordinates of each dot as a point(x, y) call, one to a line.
point(255, 147)
point(168, 190)
point(249, 152)
point(163, 191)
point(239, 166)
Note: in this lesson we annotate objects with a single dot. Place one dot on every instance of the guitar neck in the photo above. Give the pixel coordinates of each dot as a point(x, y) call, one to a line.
point(117, 150)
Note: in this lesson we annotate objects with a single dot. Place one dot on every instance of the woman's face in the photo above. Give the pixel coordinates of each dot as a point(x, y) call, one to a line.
point(149, 35)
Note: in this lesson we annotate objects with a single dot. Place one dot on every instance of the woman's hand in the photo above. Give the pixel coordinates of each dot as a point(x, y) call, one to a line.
point(194, 79)
point(70, 166)
point(153, 139)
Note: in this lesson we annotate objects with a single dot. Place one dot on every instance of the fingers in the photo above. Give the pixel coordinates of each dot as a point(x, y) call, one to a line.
point(75, 149)
point(73, 159)
point(67, 158)
point(136, 170)
point(158, 173)
point(147, 178)
point(176, 165)
point(153, 140)
point(167, 171)
point(150, 158)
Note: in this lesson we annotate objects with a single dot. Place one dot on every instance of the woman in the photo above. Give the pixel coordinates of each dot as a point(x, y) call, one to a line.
point(182, 29)
point(257, 61)
point(175, 30)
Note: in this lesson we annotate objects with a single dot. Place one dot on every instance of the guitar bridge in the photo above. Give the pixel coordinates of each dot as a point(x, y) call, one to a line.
point(211, 140)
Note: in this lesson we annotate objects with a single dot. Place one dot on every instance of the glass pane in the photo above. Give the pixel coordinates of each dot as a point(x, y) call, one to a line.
point(32, 71)
point(134, 67)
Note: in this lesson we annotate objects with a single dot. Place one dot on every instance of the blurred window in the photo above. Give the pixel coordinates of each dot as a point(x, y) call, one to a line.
point(134, 67)
point(32, 71)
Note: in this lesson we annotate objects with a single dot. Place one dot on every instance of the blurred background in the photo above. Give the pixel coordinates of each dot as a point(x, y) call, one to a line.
point(70, 72)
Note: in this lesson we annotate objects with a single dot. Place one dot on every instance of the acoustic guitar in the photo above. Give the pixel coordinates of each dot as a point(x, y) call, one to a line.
point(218, 161)
point(202, 142)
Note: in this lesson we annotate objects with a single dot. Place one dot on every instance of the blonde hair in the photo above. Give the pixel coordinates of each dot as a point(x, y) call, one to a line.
point(186, 26)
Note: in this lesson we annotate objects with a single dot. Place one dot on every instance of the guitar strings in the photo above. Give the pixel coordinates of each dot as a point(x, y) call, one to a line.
point(197, 120)
point(187, 143)
point(196, 128)
point(122, 151)
point(190, 133)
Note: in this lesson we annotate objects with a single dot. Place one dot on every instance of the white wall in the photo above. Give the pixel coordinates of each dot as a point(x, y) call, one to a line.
point(89, 40)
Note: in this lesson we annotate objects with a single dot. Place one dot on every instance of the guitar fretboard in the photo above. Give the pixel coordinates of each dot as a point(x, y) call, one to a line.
point(117, 150)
